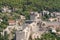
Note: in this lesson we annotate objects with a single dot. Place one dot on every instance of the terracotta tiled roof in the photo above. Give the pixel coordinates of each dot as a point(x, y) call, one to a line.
point(11, 21)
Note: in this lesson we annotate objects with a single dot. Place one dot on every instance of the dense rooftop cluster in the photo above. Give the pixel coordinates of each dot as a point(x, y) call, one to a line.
point(25, 18)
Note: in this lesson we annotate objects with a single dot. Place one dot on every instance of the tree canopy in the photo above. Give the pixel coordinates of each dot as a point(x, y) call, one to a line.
point(35, 5)
point(48, 36)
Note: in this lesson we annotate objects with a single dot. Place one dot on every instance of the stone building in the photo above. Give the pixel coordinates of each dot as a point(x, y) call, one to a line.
point(57, 14)
point(24, 32)
point(35, 16)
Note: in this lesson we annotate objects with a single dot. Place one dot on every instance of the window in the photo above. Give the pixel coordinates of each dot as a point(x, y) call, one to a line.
point(38, 17)
point(43, 24)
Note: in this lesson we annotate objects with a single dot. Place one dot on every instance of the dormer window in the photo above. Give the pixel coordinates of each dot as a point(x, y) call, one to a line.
point(38, 17)
point(43, 24)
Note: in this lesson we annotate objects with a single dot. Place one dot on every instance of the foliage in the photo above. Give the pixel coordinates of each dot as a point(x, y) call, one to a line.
point(3, 37)
point(31, 5)
point(35, 5)
point(48, 36)
point(24, 7)
point(4, 23)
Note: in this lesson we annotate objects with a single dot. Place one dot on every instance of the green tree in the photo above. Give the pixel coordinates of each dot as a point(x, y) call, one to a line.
point(48, 36)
